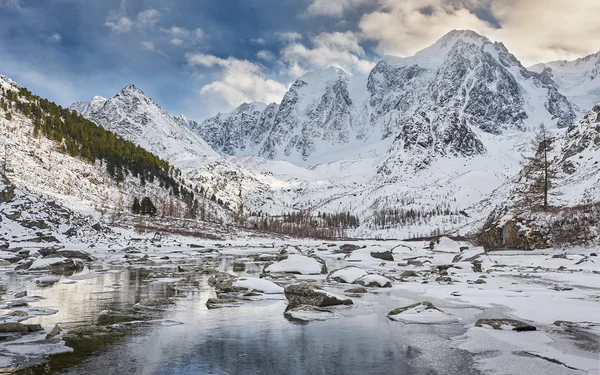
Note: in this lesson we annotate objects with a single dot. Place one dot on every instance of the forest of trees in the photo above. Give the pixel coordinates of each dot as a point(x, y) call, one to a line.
point(146, 207)
point(399, 217)
point(305, 224)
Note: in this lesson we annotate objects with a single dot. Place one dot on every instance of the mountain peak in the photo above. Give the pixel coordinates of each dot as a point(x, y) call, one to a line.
point(132, 89)
point(462, 35)
point(323, 75)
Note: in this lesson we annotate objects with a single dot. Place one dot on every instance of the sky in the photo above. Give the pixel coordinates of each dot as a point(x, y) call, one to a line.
point(200, 57)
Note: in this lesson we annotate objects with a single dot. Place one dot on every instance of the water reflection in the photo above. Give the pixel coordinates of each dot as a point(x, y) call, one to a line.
point(254, 338)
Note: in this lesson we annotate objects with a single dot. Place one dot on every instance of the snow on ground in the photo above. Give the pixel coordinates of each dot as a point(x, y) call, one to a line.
point(543, 288)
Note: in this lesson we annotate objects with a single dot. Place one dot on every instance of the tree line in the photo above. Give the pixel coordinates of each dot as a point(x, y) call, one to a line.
point(305, 224)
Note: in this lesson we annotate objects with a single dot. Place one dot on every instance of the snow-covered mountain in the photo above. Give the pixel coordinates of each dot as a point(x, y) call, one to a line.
point(137, 118)
point(242, 131)
point(578, 80)
point(416, 108)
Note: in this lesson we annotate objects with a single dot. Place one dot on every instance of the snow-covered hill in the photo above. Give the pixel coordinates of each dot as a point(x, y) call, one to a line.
point(416, 109)
point(41, 166)
point(578, 80)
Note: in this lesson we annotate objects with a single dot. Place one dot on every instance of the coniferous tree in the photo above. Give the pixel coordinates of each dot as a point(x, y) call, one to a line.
point(147, 207)
point(538, 174)
point(136, 207)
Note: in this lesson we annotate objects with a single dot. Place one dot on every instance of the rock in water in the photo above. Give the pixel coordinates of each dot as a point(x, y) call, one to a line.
point(77, 254)
point(517, 325)
point(307, 294)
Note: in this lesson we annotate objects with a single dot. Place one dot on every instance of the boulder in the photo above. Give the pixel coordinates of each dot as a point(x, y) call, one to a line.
point(421, 313)
point(307, 294)
point(358, 290)
point(305, 313)
point(384, 255)
point(511, 234)
point(155, 302)
point(223, 283)
point(239, 266)
point(215, 303)
point(517, 325)
point(77, 254)
point(375, 281)
point(19, 328)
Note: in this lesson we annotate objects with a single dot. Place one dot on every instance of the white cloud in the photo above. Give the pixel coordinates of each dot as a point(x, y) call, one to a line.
point(338, 49)
point(334, 8)
point(404, 28)
point(544, 30)
point(198, 33)
point(11, 5)
point(55, 37)
point(119, 24)
point(148, 46)
point(288, 36)
point(527, 28)
point(259, 41)
point(265, 55)
point(180, 35)
point(241, 80)
point(148, 17)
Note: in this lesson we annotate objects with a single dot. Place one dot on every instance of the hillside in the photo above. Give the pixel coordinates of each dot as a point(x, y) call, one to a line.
point(572, 214)
point(53, 151)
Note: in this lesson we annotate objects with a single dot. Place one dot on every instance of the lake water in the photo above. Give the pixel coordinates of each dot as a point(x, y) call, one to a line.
point(254, 338)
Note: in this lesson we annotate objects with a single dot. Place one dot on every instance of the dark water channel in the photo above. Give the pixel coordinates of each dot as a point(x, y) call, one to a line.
point(255, 338)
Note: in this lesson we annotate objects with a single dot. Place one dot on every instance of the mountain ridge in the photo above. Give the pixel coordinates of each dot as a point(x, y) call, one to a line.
point(463, 79)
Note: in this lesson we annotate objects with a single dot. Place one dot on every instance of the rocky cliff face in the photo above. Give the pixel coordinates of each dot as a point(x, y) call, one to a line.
point(242, 131)
point(462, 84)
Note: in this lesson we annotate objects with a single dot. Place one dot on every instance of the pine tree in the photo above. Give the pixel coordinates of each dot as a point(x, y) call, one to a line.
point(136, 207)
point(538, 173)
point(147, 207)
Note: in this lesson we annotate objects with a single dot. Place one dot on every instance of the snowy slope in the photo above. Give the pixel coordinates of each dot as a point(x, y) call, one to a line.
point(578, 80)
point(577, 155)
point(137, 118)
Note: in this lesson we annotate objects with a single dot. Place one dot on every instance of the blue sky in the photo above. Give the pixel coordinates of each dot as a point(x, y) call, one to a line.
point(198, 57)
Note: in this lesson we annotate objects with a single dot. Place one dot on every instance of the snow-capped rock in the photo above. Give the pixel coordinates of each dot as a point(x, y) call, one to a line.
point(578, 80)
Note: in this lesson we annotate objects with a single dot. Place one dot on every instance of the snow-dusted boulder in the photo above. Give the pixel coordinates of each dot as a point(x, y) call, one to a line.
point(258, 285)
point(306, 294)
point(423, 313)
point(298, 264)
